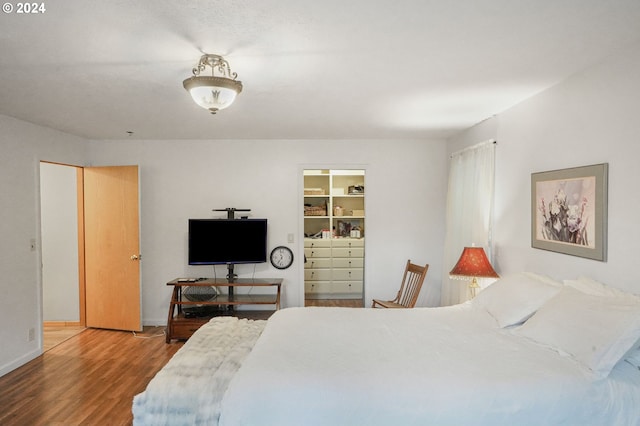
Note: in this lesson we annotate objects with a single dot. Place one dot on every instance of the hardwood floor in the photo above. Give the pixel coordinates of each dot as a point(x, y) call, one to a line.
point(89, 379)
point(342, 303)
point(54, 335)
point(92, 377)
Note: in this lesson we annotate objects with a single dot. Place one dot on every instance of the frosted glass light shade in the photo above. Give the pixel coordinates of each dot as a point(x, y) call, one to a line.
point(212, 93)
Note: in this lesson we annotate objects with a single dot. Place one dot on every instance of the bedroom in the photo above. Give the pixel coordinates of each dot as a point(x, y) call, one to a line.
point(588, 118)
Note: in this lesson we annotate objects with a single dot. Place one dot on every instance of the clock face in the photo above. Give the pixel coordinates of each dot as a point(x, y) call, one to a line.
point(281, 257)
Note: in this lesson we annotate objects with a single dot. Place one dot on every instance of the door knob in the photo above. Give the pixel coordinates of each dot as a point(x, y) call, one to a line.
point(135, 257)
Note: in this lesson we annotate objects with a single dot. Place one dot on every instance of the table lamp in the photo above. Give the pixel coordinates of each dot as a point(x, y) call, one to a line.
point(473, 263)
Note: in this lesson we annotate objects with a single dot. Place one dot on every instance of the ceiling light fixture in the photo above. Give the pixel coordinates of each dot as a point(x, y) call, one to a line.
point(213, 92)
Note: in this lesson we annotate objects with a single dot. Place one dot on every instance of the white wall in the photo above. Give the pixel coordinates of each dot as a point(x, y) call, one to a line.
point(590, 118)
point(405, 192)
point(59, 242)
point(22, 146)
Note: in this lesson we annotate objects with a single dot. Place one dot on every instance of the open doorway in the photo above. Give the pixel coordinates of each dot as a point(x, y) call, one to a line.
point(334, 231)
point(90, 232)
point(61, 244)
point(87, 282)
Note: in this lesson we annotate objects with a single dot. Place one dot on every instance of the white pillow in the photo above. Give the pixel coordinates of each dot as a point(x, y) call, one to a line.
point(596, 331)
point(590, 286)
point(514, 298)
point(596, 288)
point(544, 278)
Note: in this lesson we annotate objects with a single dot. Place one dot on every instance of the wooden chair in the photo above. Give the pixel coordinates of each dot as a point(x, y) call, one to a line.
point(407, 297)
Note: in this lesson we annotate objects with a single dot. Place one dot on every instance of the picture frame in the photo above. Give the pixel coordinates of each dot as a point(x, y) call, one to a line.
point(569, 211)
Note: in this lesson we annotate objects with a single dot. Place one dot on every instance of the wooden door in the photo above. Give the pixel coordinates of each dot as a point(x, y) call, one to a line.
point(112, 248)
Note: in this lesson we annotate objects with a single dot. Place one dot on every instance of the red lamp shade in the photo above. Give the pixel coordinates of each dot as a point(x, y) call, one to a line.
point(473, 262)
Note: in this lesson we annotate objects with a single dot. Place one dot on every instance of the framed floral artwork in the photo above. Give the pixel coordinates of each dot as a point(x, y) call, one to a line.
point(569, 211)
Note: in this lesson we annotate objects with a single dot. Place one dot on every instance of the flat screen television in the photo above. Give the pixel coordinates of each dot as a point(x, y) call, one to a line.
point(227, 241)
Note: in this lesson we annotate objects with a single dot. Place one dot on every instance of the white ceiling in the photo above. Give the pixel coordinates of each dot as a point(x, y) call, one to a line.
point(330, 69)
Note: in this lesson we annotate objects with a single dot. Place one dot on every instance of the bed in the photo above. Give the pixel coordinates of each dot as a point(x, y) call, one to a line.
point(527, 351)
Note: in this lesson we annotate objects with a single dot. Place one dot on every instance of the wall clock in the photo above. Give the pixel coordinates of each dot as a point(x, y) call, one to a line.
point(281, 257)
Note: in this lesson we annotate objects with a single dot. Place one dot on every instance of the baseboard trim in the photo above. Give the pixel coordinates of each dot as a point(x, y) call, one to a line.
point(61, 324)
point(9, 367)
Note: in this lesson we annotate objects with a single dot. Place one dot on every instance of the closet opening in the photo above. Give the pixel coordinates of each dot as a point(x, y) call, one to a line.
point(334, 235)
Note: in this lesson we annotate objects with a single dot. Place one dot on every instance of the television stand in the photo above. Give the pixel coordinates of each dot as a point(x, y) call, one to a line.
point(181, 327)
point(231, 277)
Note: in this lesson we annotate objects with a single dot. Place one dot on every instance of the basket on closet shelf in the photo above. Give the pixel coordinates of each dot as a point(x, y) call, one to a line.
point(315, 210)
point(313, 191)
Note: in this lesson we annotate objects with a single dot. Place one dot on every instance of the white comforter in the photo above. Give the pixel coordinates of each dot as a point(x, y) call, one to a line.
point(445, 366)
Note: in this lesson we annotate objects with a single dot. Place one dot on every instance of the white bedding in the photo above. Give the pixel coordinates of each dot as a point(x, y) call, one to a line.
point(187, 391)
point(424, 366)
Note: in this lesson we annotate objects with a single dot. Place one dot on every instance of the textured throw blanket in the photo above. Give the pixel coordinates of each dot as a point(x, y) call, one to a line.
point(188, 390)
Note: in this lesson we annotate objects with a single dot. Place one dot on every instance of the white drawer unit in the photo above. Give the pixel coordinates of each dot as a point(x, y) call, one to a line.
point(334, 268)
point(318, 263)
point(317, 253)
point(347, 288)
point(347, 274)
point(347, 262)
point(347, 242)
point(348, 252)
point(317, 274)
point(317, 243)
point(317, 288)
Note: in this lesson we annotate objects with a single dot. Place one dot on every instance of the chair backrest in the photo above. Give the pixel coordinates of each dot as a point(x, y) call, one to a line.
point(412, 280)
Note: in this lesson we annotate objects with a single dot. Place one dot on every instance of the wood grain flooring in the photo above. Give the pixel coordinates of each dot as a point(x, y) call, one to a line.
point(54, 335)
point(89, 379)
point(342, 303)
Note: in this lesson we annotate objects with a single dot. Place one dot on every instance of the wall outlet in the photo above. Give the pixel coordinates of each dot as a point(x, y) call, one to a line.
point(290, 238)
point(32, 334)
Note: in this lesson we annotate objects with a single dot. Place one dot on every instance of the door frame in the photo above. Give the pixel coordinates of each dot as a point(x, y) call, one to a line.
point(80, 188)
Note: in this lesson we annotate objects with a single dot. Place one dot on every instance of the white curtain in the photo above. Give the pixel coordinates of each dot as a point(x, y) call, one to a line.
point(469, 212)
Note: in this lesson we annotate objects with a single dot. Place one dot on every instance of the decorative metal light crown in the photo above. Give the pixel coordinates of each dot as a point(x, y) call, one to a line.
point(213, 92)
